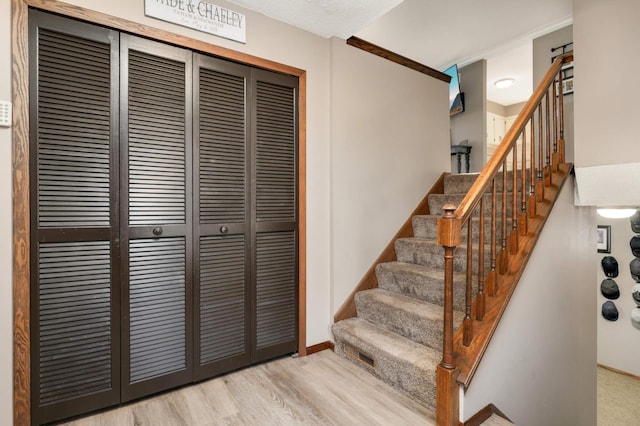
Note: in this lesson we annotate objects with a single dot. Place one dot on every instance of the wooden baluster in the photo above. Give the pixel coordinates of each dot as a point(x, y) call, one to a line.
point(540, 162)
point(532, 169)
point(524, 223)
point(466, 323)
point(449, 236)
point(555, 157)
point(513, 237)
point(547, 126)
point(561, 111)
point(503, 258)
point(492, 284)
point(480, 304)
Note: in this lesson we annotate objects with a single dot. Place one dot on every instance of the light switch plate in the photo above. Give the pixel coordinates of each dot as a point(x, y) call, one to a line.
point(5, 114)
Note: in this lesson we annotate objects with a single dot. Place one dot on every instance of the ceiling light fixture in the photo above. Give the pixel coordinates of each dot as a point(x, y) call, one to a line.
point(616, 213)
point(503, 83)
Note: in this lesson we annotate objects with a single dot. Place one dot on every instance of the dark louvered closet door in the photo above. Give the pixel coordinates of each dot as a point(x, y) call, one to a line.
point(74, 257)
point(163, 216)
point(275, 214)
point(222, 290)
point(156, 225)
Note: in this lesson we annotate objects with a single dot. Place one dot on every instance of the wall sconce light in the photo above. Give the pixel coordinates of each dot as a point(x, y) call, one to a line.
point(616, 212)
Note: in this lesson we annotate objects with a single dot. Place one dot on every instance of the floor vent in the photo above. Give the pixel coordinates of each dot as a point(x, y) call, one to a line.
point(361, 357)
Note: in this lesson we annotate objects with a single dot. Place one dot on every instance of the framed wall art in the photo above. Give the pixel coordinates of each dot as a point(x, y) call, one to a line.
point(604, 239)
point(567, 80)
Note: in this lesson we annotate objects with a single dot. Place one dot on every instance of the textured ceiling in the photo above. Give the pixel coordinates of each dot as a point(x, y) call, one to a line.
point(437, 33)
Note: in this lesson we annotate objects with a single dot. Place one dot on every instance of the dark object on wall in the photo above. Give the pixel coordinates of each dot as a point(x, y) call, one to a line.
point(609, 289)
point(456, 98)
point(635, 317)
point(635, 245)
point(609, 311)
point(565, 48)
point(610, 266)
point(635, 222)
point(635, 292)
point(634, 267)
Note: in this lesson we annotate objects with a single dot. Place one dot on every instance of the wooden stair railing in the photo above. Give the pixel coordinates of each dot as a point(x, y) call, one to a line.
point(535, 145)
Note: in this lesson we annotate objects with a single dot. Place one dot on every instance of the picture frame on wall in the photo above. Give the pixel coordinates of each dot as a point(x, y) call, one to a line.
point(604, 239)
point(567, 86)
point(567, 79)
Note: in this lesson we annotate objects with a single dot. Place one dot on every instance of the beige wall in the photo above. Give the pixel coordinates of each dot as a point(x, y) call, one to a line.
point(539, 368)
point(6, 238)
point(541, 61)
point(497, 109)
point(514, 109)
point(607, 152)
point(606, 35)
point(389, 144)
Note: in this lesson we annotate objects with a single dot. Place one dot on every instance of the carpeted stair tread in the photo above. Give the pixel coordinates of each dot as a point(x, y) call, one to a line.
point(414, 319)
point(399, 362)
point(427, 252)
point(459, 183)
point(420, 282)
point(438, 201)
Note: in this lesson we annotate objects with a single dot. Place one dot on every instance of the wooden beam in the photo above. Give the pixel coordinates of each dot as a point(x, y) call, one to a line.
point(398, 59)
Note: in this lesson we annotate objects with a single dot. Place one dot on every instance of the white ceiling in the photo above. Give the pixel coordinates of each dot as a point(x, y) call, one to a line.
point(326, 18)
point(437, 33)
point(516, 62)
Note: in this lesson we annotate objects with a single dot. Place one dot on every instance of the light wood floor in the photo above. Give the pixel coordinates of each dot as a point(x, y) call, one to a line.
point(320, 389)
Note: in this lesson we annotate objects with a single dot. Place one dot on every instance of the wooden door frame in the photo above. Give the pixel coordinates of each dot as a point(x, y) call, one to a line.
point(21, 170)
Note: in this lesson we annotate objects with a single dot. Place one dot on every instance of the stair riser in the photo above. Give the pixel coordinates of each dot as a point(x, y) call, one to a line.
point(422, 287)
point(427, 227)
point(438, 201)
point(426, 331)
point(432, 255)
point(416, 382)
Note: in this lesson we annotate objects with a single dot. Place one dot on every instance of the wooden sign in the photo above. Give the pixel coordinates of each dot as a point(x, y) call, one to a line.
point(200, 15)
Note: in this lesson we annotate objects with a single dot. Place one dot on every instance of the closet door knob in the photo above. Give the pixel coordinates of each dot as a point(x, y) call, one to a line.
point(157, 231)
point(224, 229)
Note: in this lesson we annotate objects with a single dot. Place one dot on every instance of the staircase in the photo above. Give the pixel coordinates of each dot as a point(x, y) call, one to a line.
point(397, 334)
point(461, 263)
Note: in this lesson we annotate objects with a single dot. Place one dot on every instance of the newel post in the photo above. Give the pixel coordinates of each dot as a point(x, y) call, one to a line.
point(449, 236)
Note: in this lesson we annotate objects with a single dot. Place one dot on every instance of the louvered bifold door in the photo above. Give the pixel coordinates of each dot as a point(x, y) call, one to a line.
point(274, 213)
point(156, 224)
point(74, 223)
point(222, 292)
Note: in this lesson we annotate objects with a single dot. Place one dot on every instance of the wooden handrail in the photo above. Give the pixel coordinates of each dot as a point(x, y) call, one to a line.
point(530, 202)
point(492, 167)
